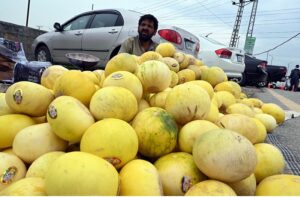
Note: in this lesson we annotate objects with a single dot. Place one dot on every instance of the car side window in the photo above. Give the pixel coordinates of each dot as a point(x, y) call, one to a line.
point(104, 20)
point(78, 23)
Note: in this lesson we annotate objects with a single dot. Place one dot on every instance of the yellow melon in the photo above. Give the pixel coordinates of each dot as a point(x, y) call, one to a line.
point(224, 155)
point(114, 102)
point(178, 173)
point(66, 174)
point(33, 186)
point(240, 108)
point(279, 185)
point(179, 57)
point(214, 75)
point(92, 76)
point(157, 132)
point(224, 99)
point(76, 84)
point(12, 169)
point(205, 85)
point(51, 74)
point(121, 62)
point(154, 75)
point(191, 131)
point(211, 188)
point(241, 124)
point(268, 121)
point(186, 75)
point(111, 139)
point(28, 98)
point(69, 118)
point(100, 74)
point(36, 140)
point(245, 187)
point(171, 63)
point(274, 110)
point(270, 161)
point(197, 71)
point(159, 99)
point(174, 79)
point(40, 166)
point(213, 114)
point(4, 108)
point(199, 62)
point(186, 102)
point(166, 49)
point(143, 104)
point(256, 102)
point(150, 55)
point(140, 178)
point(8, 131)
point(262, 131)
point(126, 80)
point(229, 86)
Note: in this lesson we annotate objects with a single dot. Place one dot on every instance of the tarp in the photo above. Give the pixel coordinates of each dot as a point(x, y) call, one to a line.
point(11, 52)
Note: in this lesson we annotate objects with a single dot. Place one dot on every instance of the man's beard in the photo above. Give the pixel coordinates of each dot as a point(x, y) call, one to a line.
point(144, 37)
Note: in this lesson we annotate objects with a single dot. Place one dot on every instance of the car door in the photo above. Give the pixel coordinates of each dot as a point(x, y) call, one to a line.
point(99, 39)
point(70, 38)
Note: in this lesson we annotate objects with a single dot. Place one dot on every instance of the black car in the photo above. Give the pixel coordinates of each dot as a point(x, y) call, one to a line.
point(276, 73)
point(255, 72)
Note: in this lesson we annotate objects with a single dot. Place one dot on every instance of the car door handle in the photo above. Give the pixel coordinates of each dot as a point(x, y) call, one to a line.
point(113, 32)
point(78, 33)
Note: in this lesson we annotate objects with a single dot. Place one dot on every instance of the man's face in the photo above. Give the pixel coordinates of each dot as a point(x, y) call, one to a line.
point(146, 30)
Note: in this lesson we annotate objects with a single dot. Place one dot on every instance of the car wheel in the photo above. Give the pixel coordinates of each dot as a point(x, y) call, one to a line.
point(243, 81)
point(261, 84)
point(43, 54)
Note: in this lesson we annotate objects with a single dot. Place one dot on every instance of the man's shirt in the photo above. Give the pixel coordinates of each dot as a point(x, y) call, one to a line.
point(133, 46)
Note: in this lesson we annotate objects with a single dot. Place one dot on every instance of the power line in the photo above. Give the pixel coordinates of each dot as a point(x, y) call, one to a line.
point(152, 4)
point(186, 9)
point(215, 15)
point(278, 45)
point(231, 15)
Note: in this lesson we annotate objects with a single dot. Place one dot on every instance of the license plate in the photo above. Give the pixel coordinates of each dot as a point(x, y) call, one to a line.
point(239, 58)
point(189, 45)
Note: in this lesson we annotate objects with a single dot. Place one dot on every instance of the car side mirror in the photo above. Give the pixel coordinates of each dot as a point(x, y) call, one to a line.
point(57, 26)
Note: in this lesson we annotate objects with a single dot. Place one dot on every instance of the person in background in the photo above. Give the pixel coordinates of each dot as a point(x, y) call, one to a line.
point(295, 75)
point(143, 42)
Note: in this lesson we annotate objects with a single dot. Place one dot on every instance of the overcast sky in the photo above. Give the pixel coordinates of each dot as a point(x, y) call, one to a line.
point(276, 20)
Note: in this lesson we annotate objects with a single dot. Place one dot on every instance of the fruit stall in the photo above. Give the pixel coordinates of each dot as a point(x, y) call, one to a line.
point(162, 123)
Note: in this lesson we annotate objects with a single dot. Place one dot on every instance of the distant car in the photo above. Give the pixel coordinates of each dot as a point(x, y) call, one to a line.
point(255, 72)
point(100, 33)
point(276, 73)
point(231, 60)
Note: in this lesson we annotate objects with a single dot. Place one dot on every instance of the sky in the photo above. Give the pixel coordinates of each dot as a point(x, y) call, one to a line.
point(276, 20)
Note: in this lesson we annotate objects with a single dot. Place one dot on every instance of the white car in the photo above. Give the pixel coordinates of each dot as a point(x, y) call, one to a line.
point(231, 60)
point(101, 33)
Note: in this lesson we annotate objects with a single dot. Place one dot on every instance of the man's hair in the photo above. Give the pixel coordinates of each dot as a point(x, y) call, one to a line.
point(297, 66)
point(150, 18)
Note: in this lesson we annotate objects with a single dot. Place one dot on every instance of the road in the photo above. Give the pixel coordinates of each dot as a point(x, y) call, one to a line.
point(287, 135)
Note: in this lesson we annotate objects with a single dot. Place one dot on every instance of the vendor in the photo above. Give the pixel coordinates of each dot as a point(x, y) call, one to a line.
point(143, 42)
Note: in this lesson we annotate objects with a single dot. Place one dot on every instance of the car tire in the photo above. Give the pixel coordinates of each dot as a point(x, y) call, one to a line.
point(42, 54)
point(261, 84)
point(243, 81)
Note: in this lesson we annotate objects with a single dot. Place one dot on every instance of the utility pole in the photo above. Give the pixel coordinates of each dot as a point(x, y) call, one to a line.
point(236, 28)
point(252, 19)
point(250, 41)
point(28, 8)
